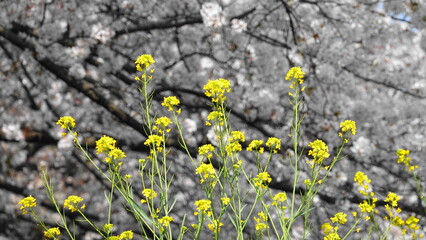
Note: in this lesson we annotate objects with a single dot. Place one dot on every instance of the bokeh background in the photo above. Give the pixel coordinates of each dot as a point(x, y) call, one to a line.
point(365, 60)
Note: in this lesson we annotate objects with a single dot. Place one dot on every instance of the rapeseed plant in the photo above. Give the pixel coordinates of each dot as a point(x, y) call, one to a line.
point(225, 199)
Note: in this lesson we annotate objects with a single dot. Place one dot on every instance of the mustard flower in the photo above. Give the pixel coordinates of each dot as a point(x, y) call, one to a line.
point(332, 236)
point(261, 221)
point(126, 235)
point(72, 203)
point(262, 180)
point(237, 136)
point(295, 73)
point(411, 223)
point(203, 206)
point(149, 193)
point(361, 178)
point(225, 200)
point(170, 102)
point(165, 221)
point(367, 207)
point(66, 122)
point(163, 121)
point(144, 61)
point(52, 232)
point(255, 145)
point(108, 227)
point(233, 147)
point(328, 228)
point(155, 141)
point(339, 218)
point(279, 197)
point(105, 144)
point(274, 144)
point(116, 153)
point(206, 150)
point(319, 151)
point(348, 125)
point(215, 226)
point(405, 159)
point(27, 203)
point(216, 89)
point(393, 199)
point(215, 116)
point(206, 171)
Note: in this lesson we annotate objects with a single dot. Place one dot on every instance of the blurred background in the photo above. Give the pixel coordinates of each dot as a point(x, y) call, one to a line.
point(365, 61)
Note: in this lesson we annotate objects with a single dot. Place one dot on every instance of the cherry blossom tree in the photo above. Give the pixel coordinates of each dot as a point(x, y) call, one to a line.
point(365, 61)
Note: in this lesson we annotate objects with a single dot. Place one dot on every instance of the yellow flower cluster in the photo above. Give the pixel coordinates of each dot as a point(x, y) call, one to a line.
point(262, 180)
point(295, 75)
point(165, 221)
point(52, 232)
point(274, 144)
point(215, 116)
point(319, 151)
point(206, 150)
point(237, 136)
point(216, 89)
point(107, 144)
point(149, 194)
point(233, 148)
point(405, 159)
point(215, 226)
point(225, 200)
point(155, 141)
point(330, 231)
point(143, 62)
point(256, 145)
point(170, 103)
point(261, 221)
point(203, 206)
point(72, 203)
point(207, 172)
point(348, 126)
point(364, 182)
point(27, 203)
point(66, 122)
point(278, 200)
point(162, 123)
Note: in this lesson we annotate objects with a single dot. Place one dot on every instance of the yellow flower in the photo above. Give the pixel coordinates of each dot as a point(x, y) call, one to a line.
point(203, 206)
point(319, 151)
point(116, 153)
point(261, 221)
point(225, 200)
point(149, 193)
point(332, 236)
point(405, 159)
point(144, 61)
point(206, 150)
point(262, 180)
point(206, 171)
point(361, 178)
point(216, 89)
point(393, 199)
point(261, 226)
point(295, 73)
point(170, 102)
point(237, 136)
point(279, 199)
point(105, 144)
point(163, 122)
point(126, 235)
point(348, 125)
point(215, 116)
point(327, 228)
point(255, 145)
point(107, 227)
point(72, 203)
point(66, 122)
point(339, 218)
point(52, 232)
point(165, 221)
point(274, 144)
point(366, 207)
point(215, 226)
point(27, 203)
point(154, 141)
point(233, 147)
